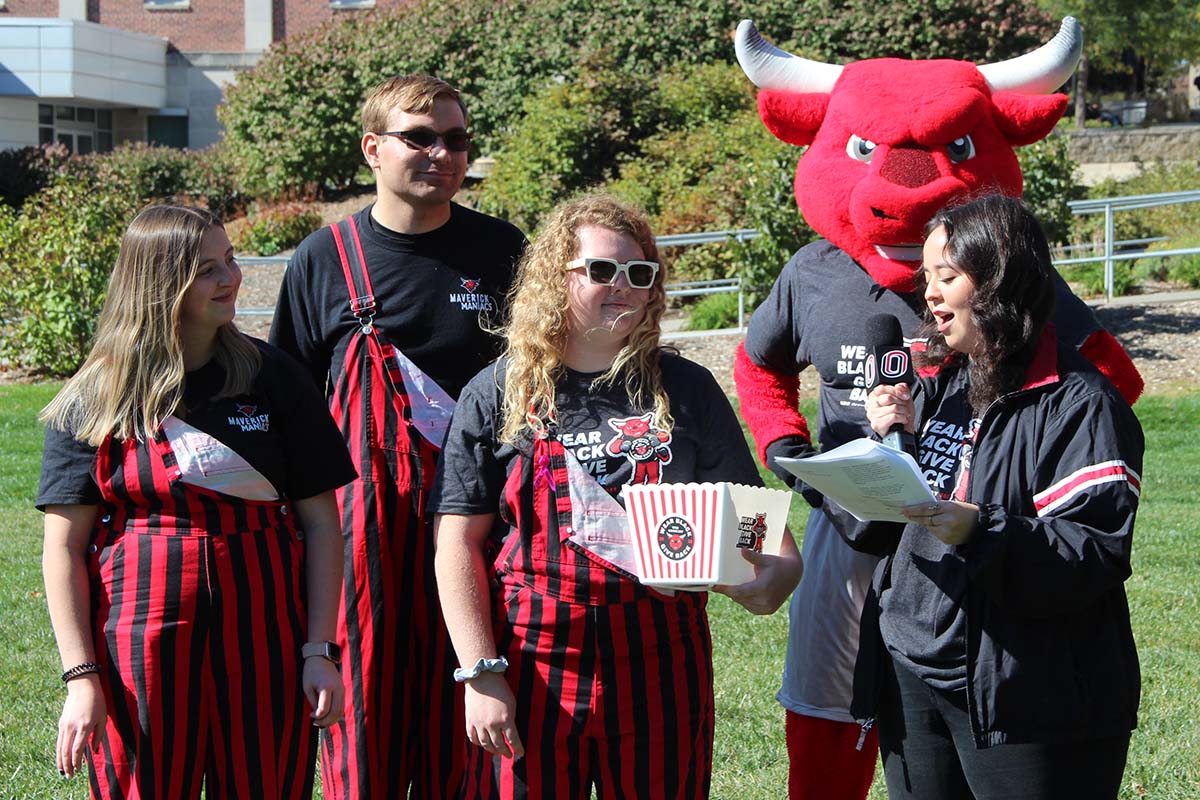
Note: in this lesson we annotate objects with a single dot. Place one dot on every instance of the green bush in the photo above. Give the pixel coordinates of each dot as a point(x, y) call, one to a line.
point(771, 206)
point(1176, 220)
point(293, 122)
point(57, 255)
point(572, 136)
point(26, 171)
point(1186, 269)
point(1183, 270)
point(706, 163)
point(1088, 279)
point(57, 252)
point(1051, 181)
point(167, 175)
point(714, 312)
point(274, 228)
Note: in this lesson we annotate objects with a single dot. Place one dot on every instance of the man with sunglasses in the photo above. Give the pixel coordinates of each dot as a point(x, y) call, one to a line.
point(385, 310)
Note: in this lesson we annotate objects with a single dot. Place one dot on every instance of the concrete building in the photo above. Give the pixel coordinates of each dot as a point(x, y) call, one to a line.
point(95, 73)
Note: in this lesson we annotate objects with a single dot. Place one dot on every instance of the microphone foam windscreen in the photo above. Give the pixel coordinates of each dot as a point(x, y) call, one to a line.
point(883, 331)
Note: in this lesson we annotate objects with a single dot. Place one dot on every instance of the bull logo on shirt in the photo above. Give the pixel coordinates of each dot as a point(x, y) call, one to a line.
point(752, 531)
point(246, 410)
point(471, 299)
point(643, 444)
point(676, 538)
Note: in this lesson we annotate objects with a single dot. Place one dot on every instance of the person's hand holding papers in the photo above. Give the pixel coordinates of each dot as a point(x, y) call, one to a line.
point(949, 520)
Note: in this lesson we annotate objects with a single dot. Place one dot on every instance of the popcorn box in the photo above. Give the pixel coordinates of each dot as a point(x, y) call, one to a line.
point(690, 535)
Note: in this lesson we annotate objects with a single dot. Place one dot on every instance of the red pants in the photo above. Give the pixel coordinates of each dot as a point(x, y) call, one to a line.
point(199, 641)
point(823, 761)
point(619, 697)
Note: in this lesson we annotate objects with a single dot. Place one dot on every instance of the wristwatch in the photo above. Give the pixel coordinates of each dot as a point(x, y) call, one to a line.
point(462, 675)
point(326, 650)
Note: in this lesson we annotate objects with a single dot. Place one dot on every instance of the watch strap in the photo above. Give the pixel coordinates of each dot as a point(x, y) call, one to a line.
point(326, 650)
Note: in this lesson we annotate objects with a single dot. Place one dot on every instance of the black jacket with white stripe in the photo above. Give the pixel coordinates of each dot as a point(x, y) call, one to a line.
point(1048, 648)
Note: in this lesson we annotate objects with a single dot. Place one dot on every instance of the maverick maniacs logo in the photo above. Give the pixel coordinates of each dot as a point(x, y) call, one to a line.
point(675, 538)
point(472, 299)
point(248, 420)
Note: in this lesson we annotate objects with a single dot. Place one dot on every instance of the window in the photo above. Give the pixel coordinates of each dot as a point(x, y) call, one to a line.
point(45, 123)
point(81, 129)
point(166, 5)
point(351, 4)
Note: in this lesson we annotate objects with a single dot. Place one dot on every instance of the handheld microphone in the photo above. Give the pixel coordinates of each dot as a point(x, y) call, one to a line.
point(889, 362)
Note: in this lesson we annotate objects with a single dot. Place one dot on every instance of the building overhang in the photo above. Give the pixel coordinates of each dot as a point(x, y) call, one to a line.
point(67, 59)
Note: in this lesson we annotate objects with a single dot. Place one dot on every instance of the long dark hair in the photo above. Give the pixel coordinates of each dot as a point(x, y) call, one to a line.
point(998, 243)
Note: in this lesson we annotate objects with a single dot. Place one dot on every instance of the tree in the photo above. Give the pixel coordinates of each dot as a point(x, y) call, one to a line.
point(982, 31)
point(1162, 33)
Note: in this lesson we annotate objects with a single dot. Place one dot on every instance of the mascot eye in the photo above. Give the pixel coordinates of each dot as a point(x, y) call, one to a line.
point(860, 149)
point(961, 149)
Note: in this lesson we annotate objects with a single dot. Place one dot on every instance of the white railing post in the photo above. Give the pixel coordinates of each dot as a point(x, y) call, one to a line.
point(741, 306)
point(1109, 238)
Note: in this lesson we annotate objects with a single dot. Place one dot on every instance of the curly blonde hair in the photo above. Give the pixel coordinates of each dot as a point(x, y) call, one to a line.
point(538, 325)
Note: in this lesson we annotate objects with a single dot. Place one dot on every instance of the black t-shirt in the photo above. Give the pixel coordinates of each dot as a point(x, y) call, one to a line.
point(604, 433)
point(430, 291)
point(282, 427)
point(922, 615)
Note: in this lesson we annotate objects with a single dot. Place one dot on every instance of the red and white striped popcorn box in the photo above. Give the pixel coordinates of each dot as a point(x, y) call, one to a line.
point(689, 535)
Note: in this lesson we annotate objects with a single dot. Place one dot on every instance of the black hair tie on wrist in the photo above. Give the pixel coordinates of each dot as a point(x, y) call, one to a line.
point(79, 670)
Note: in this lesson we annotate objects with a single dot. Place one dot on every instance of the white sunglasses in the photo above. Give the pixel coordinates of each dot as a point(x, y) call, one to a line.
point(604, 271)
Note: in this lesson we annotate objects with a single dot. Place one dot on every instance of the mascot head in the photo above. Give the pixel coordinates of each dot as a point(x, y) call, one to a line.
point(892, 141)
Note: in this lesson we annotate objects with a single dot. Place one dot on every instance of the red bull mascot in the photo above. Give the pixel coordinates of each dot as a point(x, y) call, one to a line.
point(890, 142)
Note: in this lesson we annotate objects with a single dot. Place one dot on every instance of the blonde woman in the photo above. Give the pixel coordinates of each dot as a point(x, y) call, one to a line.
point(578, 677)
point(192, 548)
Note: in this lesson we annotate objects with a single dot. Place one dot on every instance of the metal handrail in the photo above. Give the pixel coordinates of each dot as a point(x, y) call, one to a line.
point(1109, 206)
point(1096, 205)
point(681, 289)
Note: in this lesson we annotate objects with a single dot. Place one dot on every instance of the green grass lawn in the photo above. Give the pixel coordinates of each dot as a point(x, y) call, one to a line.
point(751, 761)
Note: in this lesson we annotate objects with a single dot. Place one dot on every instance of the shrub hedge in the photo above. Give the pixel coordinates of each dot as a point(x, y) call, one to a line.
point(291, 122)
point(58, 249)
point(26, 171)
point(714, 312)
point(267, 231)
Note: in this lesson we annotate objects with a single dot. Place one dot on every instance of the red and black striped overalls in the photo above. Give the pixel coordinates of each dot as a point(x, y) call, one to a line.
point(613, 680)
point(402, 730)
point(198, 600)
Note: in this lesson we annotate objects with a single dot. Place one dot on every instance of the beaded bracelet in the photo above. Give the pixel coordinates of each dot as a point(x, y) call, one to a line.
point(86, 668)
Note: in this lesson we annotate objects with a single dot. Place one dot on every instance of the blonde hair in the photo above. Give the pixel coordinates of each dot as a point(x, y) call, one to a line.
point(410, 94)
point(538, 326)
point(133, 377)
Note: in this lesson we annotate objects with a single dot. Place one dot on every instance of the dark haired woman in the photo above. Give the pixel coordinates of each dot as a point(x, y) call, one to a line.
point(996, 653)
point(192, 547)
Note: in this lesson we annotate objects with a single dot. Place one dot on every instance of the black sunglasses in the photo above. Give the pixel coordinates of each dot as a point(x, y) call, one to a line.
point(425, 138)
point(604, 271)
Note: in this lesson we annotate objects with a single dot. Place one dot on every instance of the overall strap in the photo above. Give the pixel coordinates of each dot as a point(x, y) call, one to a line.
point(544, 469)
point(354, 267)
